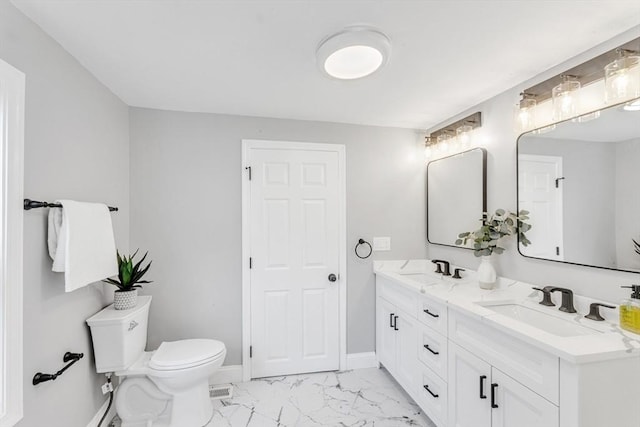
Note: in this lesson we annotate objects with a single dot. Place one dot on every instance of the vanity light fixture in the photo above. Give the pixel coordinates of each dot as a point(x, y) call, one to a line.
point(454, 137)
point(353, 53)
point(622, 77)
point(619, 68)
point(565, 98)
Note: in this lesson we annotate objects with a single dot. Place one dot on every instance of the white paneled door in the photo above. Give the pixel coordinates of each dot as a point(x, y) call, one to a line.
point(294, 225)
point(540, 184)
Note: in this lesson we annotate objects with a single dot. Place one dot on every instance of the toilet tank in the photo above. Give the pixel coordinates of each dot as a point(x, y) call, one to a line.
point(119, 336)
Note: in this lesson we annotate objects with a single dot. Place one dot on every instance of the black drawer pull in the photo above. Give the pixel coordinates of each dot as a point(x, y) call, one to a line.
point(391, 320)
point(482, 378)
point(428, 348)
point(430, 313)
point(494, 386)
point(426, 387)
point(395, 323)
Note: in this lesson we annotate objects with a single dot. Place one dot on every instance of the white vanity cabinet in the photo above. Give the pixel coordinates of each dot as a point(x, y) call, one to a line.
point(482, 396)
point(466, 370)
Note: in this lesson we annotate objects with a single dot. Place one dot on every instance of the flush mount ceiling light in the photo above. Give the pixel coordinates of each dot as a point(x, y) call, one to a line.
point(353, 53)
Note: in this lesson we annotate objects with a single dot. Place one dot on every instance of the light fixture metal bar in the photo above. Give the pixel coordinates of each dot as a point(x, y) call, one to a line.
point(586, 73)
point(474, 120)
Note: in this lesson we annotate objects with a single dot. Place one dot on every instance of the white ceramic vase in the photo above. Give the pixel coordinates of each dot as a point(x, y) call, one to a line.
point(125, 300)
point(487, 273)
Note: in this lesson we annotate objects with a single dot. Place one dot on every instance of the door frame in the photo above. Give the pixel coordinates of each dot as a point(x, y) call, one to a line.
point(247, 145)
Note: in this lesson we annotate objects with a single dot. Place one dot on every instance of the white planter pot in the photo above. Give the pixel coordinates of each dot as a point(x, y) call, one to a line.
point(125, 300)
point(487, 273)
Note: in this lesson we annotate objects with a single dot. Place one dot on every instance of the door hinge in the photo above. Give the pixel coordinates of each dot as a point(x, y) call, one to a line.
point(558, 181)
point(249, 169)
point(250, 351)
point(558, 250)
point(250, 263)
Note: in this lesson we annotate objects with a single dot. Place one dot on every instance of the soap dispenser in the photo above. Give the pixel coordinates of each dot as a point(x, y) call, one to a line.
point(630, 310)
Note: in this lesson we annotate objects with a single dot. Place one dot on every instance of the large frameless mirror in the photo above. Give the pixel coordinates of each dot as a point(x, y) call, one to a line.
point(580, 181)
point(456, 195)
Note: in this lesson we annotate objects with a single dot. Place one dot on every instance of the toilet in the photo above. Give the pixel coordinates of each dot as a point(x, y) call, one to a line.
point(168, 387)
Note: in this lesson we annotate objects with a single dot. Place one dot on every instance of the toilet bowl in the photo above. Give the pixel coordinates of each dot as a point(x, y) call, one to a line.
point(168, 387)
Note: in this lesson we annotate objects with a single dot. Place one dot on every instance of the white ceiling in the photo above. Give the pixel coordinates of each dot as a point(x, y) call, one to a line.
point(257, 58)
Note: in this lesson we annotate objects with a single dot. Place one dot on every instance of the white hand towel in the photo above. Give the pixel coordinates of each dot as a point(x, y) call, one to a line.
point(81, 243)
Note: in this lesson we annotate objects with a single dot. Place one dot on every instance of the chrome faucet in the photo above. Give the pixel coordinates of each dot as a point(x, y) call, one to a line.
point(445, 264)
point(567, 299)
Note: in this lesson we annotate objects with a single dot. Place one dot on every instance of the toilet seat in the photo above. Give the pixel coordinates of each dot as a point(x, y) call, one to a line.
point(184, 354)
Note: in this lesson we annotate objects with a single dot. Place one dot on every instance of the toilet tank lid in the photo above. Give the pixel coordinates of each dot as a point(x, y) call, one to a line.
point(110, 315)
point(185, 353)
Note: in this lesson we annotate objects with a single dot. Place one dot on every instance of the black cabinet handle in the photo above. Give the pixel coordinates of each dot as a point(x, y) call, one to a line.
point(430, 313)
point(391, 320)
point(428, 348)
point(482, 379)
point(426, 387)
point(494, 386)
point(395, 323)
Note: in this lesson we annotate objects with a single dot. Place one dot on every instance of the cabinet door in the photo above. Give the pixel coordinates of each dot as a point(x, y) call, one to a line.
point(386, 334)
point(519, 406)
point(469, 389)
point(407, 351)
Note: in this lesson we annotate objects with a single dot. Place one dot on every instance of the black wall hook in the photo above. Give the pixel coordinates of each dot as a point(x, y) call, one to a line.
point(68, 358)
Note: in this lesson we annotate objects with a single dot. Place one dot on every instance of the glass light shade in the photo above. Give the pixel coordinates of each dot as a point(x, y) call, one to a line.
point(428, 152)
point(443, 139)
point(353, 62)
point(463, 136)
point(525, 114)
point(565, 99)
point(622, 79)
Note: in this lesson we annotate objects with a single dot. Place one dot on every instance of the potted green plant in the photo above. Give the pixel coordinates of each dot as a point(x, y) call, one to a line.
point(487, 238)
point(128, 281)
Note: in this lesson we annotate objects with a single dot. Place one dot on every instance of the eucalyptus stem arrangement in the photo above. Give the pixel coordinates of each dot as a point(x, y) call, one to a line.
point(499, 225)
point(637, 246)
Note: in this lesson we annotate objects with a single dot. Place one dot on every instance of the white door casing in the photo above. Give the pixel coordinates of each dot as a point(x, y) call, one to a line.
point(293, 239)
point(540, 192)
point(12, 92)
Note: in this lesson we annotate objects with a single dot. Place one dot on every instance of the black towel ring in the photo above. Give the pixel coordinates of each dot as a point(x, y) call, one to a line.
point(363, 242)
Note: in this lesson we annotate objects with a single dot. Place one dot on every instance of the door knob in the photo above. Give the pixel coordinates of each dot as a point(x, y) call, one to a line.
point(332, 277)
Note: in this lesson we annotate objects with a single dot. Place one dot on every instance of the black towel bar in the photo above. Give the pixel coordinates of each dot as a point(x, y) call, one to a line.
point(34, 204)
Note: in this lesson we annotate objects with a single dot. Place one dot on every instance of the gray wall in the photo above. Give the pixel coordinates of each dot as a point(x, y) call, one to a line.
point(499, 137)
point(76, 146)
point(186, 210)
point(589, 169)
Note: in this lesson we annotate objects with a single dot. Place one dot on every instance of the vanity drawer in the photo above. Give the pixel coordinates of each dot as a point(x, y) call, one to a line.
point(532, 367)
point(433, 314)
point(403, 299)
point(433, 400)
point(432, 351)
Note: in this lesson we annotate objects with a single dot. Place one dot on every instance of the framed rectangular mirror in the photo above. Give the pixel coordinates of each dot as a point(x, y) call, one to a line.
point(580, 181)
point(456, 195)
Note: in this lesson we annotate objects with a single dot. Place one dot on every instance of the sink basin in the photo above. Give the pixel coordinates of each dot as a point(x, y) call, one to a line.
point(420, 277)
point(551, 324)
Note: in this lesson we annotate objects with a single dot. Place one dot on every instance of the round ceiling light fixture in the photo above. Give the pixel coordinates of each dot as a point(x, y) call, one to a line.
point(353, 53)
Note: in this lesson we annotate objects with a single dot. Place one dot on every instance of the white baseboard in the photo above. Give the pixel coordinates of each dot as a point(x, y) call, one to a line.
point(362, 360)
point(112, 413)
point(227, 374)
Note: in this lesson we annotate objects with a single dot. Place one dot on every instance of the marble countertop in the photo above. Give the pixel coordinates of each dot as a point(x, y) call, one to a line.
point(604, 341)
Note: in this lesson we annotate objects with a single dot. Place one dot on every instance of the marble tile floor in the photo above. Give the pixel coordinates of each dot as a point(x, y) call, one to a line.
point(358, 398)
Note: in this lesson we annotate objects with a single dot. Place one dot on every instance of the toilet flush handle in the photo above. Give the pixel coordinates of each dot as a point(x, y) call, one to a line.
point(133, 325)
